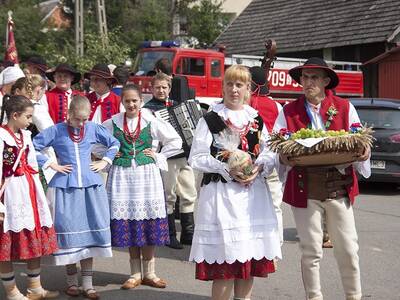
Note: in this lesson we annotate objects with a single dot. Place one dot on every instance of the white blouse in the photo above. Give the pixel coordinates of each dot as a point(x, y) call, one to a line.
point(160, 130)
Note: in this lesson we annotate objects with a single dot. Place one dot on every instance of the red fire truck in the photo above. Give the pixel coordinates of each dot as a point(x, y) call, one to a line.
point(204, 70)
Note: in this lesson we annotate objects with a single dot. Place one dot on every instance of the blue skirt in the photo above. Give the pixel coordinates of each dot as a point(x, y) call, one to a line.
point(82, 217)
point(132, 233)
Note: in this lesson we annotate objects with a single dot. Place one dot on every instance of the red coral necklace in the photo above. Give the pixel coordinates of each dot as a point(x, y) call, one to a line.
point(132, 136)
point(243, 130)
point(18, 140)
point(76, 137)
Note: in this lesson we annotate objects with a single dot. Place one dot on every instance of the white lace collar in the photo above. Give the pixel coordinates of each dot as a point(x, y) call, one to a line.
point(237, 117)
point(6, 137)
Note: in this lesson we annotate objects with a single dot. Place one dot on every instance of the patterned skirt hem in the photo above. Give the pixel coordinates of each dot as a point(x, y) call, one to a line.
point(236, 270)
point(27, 244)
point(134, 233)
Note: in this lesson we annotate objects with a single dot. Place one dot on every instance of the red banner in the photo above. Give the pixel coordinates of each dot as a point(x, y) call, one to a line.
point(11, 50)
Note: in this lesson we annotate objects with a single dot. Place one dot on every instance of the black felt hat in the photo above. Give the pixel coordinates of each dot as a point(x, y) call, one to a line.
point(38, 62)
point(316, 63)
point(102, 71)
point(64, 68)
point(258, 80)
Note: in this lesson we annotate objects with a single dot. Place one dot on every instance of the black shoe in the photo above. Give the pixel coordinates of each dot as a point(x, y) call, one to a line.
point(187, 224)
point(173, 241)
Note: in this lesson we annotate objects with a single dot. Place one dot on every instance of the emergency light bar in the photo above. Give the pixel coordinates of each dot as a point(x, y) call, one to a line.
point(154, 44)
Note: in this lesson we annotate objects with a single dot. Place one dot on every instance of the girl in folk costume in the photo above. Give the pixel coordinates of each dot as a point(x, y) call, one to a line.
point(33, 87)
point(26, 226)
point(134, 186)
point(57, 100)
point(104, 102)
point(236, 234)
point(81, 210)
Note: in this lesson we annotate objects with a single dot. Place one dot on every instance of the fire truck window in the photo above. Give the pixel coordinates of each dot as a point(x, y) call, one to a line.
point(191, 66)
point(215, 68)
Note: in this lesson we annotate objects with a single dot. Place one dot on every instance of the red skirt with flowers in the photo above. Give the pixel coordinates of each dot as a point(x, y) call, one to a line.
point(27, 244)
point(236, 270)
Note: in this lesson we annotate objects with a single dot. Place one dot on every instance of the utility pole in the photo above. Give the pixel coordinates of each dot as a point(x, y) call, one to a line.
point(176, 19)
point(102, 20)
point(79, 27)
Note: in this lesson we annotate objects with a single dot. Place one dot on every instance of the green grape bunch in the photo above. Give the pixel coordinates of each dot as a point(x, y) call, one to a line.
point(305, 133)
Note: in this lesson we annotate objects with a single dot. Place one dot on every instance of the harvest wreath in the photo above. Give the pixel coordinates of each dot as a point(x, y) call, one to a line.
point(309, 147)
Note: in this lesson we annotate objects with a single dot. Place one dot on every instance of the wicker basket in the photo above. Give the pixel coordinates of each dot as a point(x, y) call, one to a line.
point(333, 150)
point(324, 159)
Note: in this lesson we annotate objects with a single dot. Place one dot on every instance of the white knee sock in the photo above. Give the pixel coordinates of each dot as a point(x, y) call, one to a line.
point(34, 285)
point(136, 268)
point(8, 280)
point(72, 275)
point(149, 269)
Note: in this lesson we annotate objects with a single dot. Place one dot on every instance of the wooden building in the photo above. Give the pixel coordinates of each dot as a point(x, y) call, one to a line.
point(385, 82)
point(338, 30)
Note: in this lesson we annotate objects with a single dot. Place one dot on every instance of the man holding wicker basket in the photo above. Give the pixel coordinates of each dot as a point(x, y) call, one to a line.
point(321, 145)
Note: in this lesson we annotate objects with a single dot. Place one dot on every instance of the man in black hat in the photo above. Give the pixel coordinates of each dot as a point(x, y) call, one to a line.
point(323, 191)
point(58, 99)
point(36, 65)
point(104, 102)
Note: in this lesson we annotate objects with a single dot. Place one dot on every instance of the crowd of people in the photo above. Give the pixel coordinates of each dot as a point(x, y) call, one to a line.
point(85, 171)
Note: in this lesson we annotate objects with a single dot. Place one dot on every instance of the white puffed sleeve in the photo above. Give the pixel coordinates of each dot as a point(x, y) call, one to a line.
point(200, 157)
point(282, 169)
point(362, 167)
point(171, 142)
point(267, 158)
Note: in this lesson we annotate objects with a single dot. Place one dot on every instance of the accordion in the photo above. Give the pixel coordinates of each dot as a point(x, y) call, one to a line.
point(184, 118)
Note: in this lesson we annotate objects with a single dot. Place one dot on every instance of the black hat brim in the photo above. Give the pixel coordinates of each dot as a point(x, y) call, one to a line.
point(99, 74)
point(65, 68)
point(295, 73)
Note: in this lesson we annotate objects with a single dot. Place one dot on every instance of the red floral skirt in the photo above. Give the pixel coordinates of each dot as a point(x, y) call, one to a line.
point(27, 244)
point(236, 270)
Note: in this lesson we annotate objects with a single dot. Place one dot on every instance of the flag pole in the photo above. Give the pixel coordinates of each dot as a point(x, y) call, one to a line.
point(8, 26)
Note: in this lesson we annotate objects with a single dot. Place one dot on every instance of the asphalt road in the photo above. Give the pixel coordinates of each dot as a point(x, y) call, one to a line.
point(377, 213)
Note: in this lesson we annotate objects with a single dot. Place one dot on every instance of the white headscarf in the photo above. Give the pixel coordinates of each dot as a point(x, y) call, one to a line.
point(10, 75)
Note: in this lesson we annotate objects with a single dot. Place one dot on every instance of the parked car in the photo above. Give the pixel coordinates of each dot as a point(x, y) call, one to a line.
point(384, 116)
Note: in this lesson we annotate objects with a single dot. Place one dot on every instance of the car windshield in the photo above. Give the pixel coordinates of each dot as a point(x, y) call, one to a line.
point(380, 118)
point(144, 61)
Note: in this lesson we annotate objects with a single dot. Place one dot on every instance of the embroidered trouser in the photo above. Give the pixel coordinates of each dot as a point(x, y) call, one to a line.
point(180, 180)
point(343, 234)
point(275, 187)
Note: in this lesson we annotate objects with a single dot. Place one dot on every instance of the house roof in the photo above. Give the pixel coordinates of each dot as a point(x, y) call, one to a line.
point(301, 25)
point(383, 55)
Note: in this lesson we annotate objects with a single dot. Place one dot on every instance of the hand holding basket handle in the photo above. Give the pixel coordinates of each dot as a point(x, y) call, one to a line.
point(363, 156)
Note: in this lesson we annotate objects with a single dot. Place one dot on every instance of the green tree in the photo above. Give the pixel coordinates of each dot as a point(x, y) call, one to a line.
point(116, 52)
point(27, 33)
point(206, 21)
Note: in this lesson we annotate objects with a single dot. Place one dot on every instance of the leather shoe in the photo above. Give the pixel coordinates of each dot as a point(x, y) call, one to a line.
point(90, 294)
point(131, 283)
point(157, 283)
point(45, 294)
